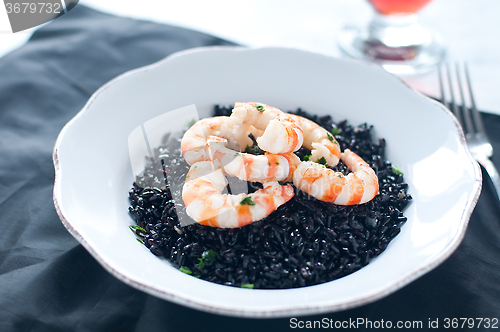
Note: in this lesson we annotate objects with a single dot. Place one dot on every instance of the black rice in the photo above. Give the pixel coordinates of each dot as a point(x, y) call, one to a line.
point(304, 242)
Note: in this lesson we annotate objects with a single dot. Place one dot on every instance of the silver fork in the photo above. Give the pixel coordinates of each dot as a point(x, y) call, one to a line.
point(470, 120)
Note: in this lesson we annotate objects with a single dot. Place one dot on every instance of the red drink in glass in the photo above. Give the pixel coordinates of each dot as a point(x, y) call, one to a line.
point(394, 7)
point(394, 38)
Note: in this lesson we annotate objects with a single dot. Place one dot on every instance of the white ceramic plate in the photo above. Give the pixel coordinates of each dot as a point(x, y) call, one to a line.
point(94, 174)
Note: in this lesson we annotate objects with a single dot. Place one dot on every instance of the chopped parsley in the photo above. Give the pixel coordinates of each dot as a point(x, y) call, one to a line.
point(185, 270)
point(247, 200)
point(249, 286)
point(260, 108)
point(137, 228)
point(330, 137)
point(307, 157)
point(321, 161)
point(139, 240)
point(254, 150)
point(340, 176)
point(335, 131)
point(209, 255)
point(396, 170)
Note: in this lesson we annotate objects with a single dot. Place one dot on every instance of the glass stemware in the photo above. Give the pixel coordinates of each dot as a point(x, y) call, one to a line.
point(394, 38)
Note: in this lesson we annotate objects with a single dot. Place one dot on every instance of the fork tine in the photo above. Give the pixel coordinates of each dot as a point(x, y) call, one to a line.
point(475, 113)
point(477, 142)
point(469, 126)
point(453, 104)
point(441, 84)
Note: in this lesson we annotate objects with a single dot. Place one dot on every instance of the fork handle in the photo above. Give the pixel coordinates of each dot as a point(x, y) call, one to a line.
point(492, 172)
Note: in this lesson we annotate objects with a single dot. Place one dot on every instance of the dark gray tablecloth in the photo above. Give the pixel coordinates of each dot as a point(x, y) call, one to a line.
point(48, 282)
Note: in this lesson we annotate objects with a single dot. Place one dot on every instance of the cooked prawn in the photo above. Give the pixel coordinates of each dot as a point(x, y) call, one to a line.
point(358, 187)
point(282, 134)
point(205, 203)
point(193, 143)
point(317, 139)
point(253, 168)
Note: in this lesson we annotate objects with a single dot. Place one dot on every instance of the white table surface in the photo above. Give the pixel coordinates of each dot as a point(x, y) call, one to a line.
point(470, 29)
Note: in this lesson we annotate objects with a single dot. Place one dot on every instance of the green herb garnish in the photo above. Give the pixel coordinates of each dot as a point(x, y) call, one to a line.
point(191, 123)
point(335, 131)
point(321, 161)
point(137, 228)
point(185, 270)
point(330, 137)
point(254, 150)
point(210, 255)
point(249, 286)
point(340, 176)
point(260, 108)
point(396, 170)
point(139, 240)
point(247, 200)
point(307, 157)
